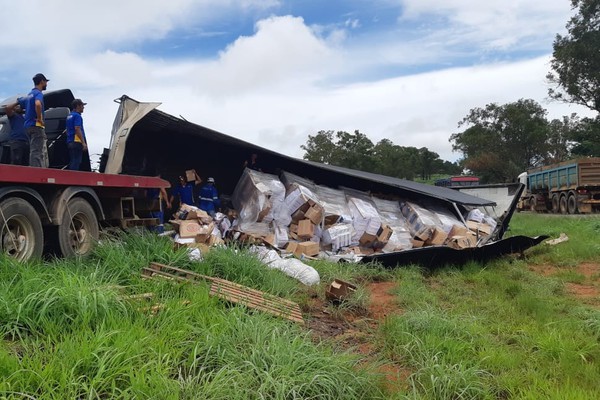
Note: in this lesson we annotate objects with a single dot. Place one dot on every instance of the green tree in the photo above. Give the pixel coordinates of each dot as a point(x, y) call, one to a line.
point(576, 58)
point(357, 151)
point(320, 148)
point(500, 141)
point(586, 138)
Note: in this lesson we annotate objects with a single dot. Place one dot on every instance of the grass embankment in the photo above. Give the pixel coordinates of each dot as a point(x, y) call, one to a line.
point(69, 333)
point(495, 331)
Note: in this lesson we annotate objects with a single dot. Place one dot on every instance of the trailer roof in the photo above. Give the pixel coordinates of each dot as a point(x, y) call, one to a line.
point(173, 144)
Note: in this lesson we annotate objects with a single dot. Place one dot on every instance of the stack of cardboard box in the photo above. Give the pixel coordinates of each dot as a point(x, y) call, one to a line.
point(305, 219)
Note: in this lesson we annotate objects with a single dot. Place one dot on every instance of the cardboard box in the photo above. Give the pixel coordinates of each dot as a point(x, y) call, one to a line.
point(416, 243)
point(458, 230)
point(423, 234)
point(270, 239)
point(314, 214)
point(384, 233)
point(306, 229)
point(291, 247)
point(462, 242)
point(190, 175)
point(307, 248)
point(437, 238)
point(480, 227)
point(263, 213)
point(189, 228)
point(215, 240)
point(367, 239)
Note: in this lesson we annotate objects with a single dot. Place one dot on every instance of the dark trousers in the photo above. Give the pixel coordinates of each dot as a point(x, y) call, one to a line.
point(19, 152)
point(75, 155)
point(38, 153)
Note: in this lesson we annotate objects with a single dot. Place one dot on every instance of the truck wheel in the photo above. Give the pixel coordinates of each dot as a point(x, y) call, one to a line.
point(563, 204)
point(555, 204)
point(572, 204)
point(21, 234)
point(78, 230)
point(532, 204)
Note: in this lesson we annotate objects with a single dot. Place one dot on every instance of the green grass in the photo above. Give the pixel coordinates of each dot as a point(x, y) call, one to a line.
point(70, 333)
point(494, 331)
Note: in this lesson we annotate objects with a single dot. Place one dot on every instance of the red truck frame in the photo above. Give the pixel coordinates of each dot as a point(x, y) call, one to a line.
point(42, 208)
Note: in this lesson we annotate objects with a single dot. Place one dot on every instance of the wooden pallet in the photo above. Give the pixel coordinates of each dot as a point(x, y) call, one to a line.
point(230, 291)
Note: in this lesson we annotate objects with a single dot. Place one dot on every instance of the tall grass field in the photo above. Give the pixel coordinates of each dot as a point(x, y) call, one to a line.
point(512, 328)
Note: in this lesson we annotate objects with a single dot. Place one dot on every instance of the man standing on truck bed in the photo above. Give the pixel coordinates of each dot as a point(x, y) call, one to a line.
point(19, 141)
point(76, 141)
point(34, 123)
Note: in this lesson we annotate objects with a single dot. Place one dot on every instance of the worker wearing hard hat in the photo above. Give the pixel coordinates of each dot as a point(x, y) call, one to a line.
point(209, 198)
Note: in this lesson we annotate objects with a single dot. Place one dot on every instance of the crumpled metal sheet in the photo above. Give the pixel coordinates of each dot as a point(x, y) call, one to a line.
point(437, 256)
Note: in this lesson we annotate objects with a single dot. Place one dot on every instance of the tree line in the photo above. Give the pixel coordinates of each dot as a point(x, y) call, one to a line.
point(498, 141)
point(357, 151)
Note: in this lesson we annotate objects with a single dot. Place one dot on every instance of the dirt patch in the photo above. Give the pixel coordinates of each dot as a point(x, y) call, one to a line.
point(357, 333)
point(588, 291)
point(381, 302)
point(582, 291)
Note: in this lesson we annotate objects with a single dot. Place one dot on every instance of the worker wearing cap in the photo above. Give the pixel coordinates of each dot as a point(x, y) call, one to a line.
point(34, 123)
point(76, 141)
point(209, 198)
point(185, 190)
point(19, 141)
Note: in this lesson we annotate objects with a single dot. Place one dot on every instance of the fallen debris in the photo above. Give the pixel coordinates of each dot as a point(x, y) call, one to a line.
point(562, 238)
point(230, 291)
point(339, 290)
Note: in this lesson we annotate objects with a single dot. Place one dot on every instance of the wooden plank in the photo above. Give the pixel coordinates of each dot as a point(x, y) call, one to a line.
point(230, 291)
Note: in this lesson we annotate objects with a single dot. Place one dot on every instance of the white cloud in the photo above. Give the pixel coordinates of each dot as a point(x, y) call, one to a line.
point(493, 23)
point(281, 48)
point(273, 88)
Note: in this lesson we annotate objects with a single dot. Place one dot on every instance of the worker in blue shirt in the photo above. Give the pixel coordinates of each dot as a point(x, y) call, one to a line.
point(19, 141)
point(76, 141)
point(34, 123)
point(209, 198)
point(157, 196)
point(185, 190)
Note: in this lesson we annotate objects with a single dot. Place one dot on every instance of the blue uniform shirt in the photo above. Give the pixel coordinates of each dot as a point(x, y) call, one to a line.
point(17, 125)
point(185, 193)
point(74, 119)
point(209, 198)
point(30, 114)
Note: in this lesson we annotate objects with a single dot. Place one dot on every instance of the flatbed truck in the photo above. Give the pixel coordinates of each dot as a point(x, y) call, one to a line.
point(53, 209)
point(568, 187)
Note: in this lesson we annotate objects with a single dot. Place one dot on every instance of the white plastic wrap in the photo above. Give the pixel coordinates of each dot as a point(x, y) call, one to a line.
point(419, 218)
point(391, 215)
point(365, 218)
point(338, 236)
point(260, 197)
point(334, 204)
point(290, 266)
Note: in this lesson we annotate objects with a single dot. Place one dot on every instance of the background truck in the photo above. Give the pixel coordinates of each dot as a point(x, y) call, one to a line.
point(59, 210)
point(569, 187)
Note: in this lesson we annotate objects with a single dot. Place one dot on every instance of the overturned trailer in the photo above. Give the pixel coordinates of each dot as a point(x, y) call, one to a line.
point(147, 141)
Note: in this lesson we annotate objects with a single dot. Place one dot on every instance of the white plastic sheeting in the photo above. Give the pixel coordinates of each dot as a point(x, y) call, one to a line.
point(290, 266)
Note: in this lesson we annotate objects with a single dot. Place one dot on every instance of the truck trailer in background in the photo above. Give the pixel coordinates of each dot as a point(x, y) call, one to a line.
point(569, 187)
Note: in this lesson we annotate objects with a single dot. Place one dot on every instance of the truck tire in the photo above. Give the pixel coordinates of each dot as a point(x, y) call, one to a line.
point(563, 204)
point(532, 204)
point(78, 231)
point(21, 233)
point(572, 204)
point(555, 204)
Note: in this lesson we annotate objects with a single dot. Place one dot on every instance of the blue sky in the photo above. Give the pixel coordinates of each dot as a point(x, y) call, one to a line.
point(272, 72)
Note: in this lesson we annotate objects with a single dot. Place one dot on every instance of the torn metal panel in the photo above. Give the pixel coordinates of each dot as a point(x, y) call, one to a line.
point(437, 256)
point(159, 142)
